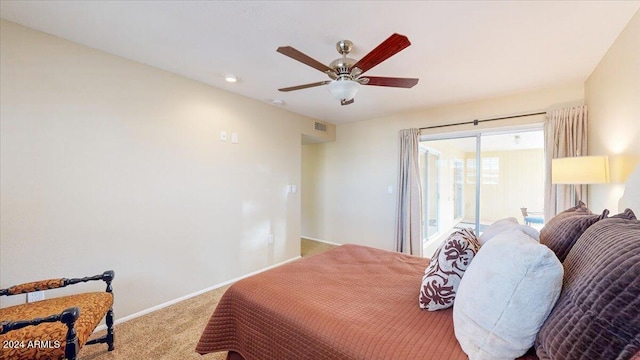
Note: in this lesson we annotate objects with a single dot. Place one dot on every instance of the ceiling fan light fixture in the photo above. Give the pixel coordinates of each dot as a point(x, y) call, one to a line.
point(344, 89)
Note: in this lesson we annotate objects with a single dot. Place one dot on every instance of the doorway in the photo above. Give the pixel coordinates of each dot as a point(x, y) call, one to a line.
point(458, 195)
point(430, 191)
point(479, 178)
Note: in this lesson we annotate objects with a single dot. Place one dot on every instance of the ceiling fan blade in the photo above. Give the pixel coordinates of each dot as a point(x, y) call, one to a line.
point(305, 59)
point(305, 86)
point(393, 45)
point(391, 81)
point(346, 102)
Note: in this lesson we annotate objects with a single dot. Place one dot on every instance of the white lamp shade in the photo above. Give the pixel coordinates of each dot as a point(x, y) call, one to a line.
point(344, 89)
point(580, 170)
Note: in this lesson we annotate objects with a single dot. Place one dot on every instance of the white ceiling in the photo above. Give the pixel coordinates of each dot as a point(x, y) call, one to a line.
point(461, 50)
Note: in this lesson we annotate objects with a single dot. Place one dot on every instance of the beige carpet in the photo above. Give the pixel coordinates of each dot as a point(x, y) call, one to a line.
point(170, 333)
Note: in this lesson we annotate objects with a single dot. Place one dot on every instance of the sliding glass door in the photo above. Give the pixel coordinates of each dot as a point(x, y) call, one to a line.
point(447, 200)
point(430, 160)
point(512, 176)
point(472, 181)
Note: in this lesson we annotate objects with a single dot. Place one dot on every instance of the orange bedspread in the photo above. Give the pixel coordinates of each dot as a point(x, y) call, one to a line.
point(351, 302)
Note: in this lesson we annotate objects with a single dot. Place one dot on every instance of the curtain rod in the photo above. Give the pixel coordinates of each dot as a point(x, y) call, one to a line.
point(476, 122)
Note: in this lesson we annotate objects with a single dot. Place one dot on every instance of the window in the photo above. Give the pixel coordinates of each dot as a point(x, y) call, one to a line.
point(490, 174)
point(471, 171)
point(491, 170)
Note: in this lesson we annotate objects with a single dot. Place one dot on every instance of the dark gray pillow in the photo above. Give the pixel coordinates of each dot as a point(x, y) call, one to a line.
point(580, 209)
point(561, 235)
point(627, 214)
point(597, 316)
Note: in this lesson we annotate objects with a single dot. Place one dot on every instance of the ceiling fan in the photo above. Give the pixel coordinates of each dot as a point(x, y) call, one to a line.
point(346, 74)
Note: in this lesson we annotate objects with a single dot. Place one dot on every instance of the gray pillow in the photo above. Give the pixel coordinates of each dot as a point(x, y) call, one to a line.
point(627, 214)
point(580, 209)
point(596, 316)
point(561, 235)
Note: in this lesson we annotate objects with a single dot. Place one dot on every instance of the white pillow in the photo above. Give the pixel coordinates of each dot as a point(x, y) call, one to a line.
point(507, 224)
point(505, 296)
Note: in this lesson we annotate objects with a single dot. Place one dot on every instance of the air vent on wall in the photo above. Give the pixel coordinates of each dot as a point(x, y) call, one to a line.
point(320, 126)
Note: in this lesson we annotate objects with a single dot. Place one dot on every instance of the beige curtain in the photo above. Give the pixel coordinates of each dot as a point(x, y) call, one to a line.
point(565, 136)
point(408, 237)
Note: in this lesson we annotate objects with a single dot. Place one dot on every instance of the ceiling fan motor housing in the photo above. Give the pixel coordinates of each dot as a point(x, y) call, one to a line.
point(342, 66)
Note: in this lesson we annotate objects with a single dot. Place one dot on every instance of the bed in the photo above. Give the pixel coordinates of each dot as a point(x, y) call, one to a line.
point(360, 303)
point(351, 302)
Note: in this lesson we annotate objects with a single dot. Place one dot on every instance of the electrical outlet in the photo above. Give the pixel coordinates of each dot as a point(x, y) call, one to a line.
point(270, 239)
point(35, 296)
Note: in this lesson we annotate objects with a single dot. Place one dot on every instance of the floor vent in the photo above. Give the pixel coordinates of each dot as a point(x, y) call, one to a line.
point(320, 126)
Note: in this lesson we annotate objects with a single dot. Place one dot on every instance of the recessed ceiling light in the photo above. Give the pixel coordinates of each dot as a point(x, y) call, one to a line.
point(231, 78)
point(277, 102)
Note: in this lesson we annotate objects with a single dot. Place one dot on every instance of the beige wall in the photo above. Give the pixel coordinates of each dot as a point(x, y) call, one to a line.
point(612, 94)
point(111, 164)
point(310, 189)
point(355, 206)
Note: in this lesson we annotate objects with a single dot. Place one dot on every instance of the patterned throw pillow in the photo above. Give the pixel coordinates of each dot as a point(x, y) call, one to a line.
point(442, 276)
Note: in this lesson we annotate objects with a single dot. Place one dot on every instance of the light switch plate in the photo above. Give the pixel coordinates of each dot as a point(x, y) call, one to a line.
point(223, 136)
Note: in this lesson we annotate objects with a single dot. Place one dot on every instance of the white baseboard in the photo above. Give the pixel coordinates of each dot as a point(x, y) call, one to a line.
point(320, 240)
point(188, 296)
